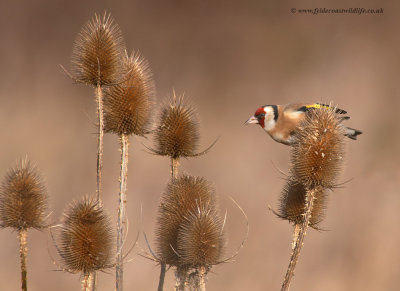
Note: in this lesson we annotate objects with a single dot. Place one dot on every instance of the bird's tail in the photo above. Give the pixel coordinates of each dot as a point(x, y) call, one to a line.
point(352, 133)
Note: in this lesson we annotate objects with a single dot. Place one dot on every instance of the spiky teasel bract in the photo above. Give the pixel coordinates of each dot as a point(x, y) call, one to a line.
point(181, 198)
point(97, 51)
point(177, 133)
point(23, 198)
point(128, 106)
point(319, 148)
point(292, 204)
point(201, 240)
point(84, 240)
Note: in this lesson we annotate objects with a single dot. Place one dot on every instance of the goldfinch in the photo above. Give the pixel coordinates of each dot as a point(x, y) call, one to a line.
point(281, 121)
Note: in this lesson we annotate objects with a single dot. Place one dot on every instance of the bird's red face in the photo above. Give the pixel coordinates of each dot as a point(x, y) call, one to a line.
point(258, 117)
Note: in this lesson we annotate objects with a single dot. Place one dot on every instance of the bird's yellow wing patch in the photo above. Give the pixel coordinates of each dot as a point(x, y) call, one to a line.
point(317, 106)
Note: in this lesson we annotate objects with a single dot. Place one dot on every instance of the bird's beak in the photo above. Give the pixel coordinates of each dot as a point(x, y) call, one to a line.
point(251, 120)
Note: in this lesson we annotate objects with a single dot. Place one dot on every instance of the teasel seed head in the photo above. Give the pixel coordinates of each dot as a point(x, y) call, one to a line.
point(200, 238)
point(181, 198)
point(292, 204)
point(318, 152)
point(127, 106)
point(85, 239)
point(23, 198)
point(96, 52)
point(177, 133)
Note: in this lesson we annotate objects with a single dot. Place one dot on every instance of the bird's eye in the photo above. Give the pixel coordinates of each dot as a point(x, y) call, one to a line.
point(260, 116)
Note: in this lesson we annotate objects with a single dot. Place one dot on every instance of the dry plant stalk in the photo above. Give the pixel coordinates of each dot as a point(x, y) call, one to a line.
point(96, 61)
point(23, 205)
point(127, 108)
point(87, 282)
point(189, 234)
point(84, 240)
point(316, 159)
point(121, 223)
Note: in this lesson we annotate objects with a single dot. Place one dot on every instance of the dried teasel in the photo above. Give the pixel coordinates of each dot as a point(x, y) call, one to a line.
point(96, 52)
point(127, 106)
point(23, 198)
point(84, 240)
point(317, 154)
point(200, 238)
point(177, 133)
point(181, 198)
point(292, 204)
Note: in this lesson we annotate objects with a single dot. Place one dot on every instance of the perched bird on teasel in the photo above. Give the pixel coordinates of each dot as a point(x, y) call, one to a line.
point(281, 121)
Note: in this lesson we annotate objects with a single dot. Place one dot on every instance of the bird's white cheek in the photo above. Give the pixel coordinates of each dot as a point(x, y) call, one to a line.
point(269, 124)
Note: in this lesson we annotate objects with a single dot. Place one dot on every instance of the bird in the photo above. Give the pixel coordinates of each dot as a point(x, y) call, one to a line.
point(281, 121)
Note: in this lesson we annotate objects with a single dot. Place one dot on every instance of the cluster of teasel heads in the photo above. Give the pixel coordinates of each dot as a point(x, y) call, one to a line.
point(125, 95)
point(189, 234)
point(189, 231)
point(316, 160)
point(124, 92)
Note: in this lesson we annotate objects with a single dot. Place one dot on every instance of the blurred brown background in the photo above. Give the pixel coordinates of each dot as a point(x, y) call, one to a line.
point(229, 57)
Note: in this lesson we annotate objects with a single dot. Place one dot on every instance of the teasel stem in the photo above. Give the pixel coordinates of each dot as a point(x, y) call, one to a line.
point(300, 238)
point(100, 147)
point(87, 281)
point(23, 250)
point(180, 279)
point(296, 231)
point(174, 167)
point(162, 277)
point(124, 141)
point(202, 278)
point(100, 114)
point(93, 281)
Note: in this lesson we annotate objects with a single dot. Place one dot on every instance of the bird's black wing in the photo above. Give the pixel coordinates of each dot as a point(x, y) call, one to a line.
point(309, 107)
